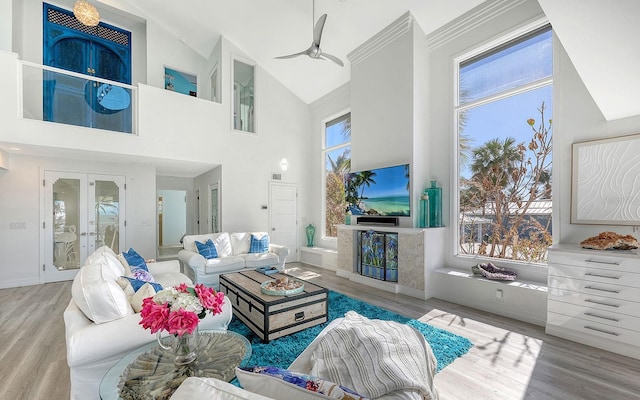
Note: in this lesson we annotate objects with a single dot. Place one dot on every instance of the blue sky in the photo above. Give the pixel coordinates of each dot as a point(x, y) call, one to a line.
point(524, 62)
point(389, 182)
point(507, 118)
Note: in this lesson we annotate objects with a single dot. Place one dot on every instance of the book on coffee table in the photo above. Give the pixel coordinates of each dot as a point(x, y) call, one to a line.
point(268, 270)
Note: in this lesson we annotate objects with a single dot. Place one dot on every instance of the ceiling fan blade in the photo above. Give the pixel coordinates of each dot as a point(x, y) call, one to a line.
point(302, 53)
point(317, 31)
point(332, 58)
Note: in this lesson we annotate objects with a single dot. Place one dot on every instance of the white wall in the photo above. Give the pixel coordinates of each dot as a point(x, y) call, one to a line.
point(5, 24)
point(172, 128)
point(577, 118)
point(388, 98)
point(163, 49)
point(382, 105)
point(20, 197)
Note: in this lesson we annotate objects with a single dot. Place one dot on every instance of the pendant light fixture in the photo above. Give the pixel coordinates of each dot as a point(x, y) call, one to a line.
point(86, 13)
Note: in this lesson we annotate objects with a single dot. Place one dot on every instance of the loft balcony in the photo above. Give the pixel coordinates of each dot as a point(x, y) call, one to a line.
point(56, 95)
point(179, 135)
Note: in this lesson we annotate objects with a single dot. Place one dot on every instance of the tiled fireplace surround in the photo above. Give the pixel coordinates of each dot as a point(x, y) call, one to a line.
point(420, 251)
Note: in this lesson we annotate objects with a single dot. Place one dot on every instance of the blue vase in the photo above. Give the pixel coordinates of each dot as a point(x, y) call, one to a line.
point(311, 231)
point(424, 211)
point(435, 205)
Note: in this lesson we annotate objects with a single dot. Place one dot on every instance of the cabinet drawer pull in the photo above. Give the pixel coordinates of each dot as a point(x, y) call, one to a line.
point(602, 303)
point(602, 262)
point(602, 276)
point(601, 330)
point(601, 316)
point(602, 290)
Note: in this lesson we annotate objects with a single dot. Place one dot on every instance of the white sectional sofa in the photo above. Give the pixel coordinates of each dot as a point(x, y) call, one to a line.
point(233, 250)
point(101, 326)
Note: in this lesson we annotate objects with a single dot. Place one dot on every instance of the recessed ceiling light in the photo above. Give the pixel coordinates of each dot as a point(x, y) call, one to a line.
point(15, 148)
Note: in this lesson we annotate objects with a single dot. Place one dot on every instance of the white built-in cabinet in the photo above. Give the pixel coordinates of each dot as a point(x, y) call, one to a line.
point(594, 298)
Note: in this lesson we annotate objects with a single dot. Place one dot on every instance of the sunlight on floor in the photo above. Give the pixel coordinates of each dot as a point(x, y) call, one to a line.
point(302, 274)
point(495, 350)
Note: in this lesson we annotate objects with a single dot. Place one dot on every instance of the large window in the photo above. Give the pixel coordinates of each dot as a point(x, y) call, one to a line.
point(504, 103)
point(336, 155)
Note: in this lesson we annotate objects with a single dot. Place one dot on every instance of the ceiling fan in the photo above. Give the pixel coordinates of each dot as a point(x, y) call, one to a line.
point(314, 50)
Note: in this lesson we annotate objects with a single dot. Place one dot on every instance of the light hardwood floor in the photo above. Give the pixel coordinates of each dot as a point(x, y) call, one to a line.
point(510, 360)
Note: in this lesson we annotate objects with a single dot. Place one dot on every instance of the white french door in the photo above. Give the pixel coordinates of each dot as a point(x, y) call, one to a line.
point(283, 217)
point(81, 213)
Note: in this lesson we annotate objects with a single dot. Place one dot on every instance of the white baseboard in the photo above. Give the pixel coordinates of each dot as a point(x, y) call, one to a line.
point(319, 257)
point(382, 285)
point(524, 301)
point(18, 283)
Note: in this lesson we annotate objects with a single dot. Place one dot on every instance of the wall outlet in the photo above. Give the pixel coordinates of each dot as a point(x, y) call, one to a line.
point(499, 295)
point(17, 225)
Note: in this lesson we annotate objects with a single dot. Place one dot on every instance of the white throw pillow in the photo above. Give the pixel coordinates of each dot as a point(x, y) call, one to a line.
point(240, 242)
point(98, 295)
point(108, 258)
point(211, 388)
point(125, 264)
point(189, 241)
point(223, 244)
point(125, 284)
point(136, 299)
point(107, 249)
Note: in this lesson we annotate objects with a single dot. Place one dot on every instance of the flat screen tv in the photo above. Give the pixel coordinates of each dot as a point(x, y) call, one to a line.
point(381, 192)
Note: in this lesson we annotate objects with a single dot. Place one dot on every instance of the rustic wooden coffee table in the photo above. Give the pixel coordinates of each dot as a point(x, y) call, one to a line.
point(271, 317)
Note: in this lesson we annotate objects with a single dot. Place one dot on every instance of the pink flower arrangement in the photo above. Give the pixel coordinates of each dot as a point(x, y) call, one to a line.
point(179, 309)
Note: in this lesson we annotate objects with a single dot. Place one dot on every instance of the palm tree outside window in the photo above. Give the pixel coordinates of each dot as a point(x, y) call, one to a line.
point(336, 154)
point(504, 105)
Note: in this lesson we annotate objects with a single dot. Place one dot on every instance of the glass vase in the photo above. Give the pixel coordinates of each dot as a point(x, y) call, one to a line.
point(311, 231)
point(182, 346)
point(435, 205)
point(424, 211)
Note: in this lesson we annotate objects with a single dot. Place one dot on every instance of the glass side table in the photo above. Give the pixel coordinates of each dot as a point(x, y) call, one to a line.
point(149, 372)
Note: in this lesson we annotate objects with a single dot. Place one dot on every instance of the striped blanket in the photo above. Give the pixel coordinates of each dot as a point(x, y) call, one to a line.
point(376, 358)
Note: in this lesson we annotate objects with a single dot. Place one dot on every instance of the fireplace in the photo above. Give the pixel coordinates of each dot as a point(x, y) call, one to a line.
point(378, 255)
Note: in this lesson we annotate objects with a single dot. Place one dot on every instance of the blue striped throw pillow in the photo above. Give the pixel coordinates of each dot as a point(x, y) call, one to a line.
point(259, 245)
point(207, 249)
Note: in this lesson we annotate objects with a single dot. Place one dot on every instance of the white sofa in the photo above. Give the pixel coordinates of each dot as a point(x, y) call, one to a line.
point(101, 326)
point(233, 256)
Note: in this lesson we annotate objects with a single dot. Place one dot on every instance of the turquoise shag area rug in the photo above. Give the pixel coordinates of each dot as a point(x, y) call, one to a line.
point(281, 352)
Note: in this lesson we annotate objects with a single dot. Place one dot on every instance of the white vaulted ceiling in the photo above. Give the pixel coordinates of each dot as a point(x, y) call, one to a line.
point(602, 40)
point(264, 29)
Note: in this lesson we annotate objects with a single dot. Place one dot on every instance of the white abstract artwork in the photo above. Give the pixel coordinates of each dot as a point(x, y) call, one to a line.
point(606, 182)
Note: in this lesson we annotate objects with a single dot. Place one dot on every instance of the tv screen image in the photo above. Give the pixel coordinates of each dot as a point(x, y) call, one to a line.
point(381, 191)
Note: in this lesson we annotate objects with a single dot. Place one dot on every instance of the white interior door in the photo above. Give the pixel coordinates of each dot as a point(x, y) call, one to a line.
point(283, 217)
point(81, 213)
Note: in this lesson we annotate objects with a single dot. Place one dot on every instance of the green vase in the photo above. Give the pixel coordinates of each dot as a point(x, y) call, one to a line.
point(435, 205)
point(311, 231)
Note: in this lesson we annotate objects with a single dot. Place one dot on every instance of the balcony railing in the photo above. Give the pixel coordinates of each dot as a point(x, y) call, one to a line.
point(65, 97)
